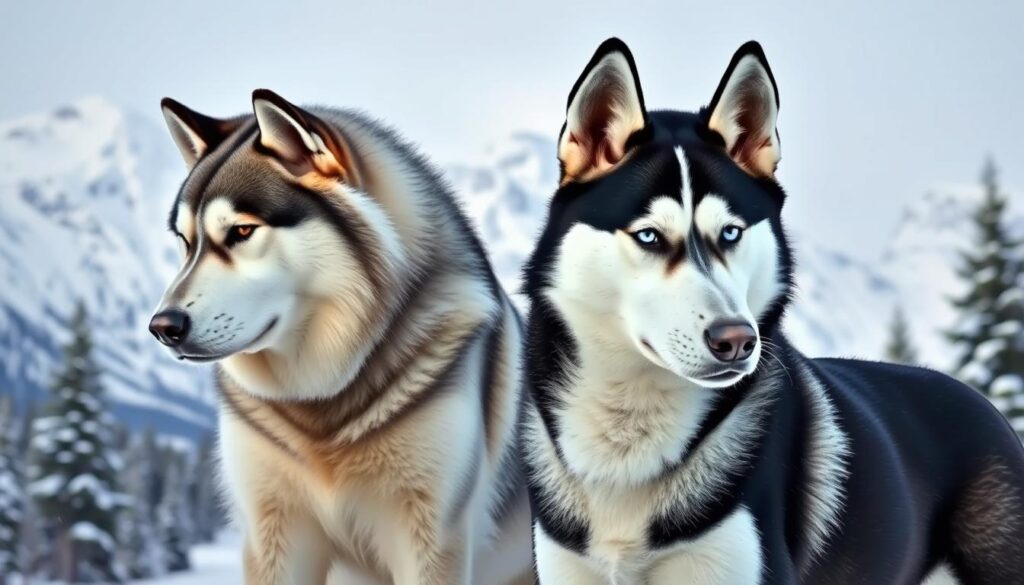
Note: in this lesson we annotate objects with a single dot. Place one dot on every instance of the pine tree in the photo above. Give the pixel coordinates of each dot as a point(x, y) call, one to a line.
point(900, 349)
point(11, 496)
point(174, 521)
point(990, 330)
point(143, 554)
point(74, 469)
point(34, 543)
point(208, 514)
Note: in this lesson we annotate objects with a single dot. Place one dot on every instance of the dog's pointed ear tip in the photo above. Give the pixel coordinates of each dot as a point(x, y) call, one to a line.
point(168, 104)
point(263, 94)
point(613, 45)
point(752, 48)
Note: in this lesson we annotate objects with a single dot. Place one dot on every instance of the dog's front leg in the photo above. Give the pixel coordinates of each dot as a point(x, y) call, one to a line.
point(284, 547)
point(557, 565)
point(427, 552)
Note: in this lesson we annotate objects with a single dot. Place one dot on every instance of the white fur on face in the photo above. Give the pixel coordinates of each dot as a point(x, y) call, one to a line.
point(750, 280)
point(624, 302)
point(233, 306)
point(282, 276)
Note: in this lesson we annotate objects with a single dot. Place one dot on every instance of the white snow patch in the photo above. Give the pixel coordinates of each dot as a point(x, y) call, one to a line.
point(975, 373)
point(89, 532)
point(1007, 385)
point(1006, 329)
point(218, 563)
point(47, 486)
point(988, 349)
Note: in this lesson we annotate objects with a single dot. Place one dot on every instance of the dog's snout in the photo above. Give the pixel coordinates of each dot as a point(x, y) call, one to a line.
point(170, 326)
point(731, 341)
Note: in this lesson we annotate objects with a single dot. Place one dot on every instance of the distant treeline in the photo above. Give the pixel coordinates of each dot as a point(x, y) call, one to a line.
point(84, 500)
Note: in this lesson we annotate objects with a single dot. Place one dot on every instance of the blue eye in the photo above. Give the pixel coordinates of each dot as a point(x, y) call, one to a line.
point(647, 238)
point(731, 234)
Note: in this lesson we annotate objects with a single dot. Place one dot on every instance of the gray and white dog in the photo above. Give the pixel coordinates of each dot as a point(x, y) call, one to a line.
point(368, 360)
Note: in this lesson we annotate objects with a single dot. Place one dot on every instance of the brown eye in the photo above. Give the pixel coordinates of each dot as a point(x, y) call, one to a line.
point(239, 233)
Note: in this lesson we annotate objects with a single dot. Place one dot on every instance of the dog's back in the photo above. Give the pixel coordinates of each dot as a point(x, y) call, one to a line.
point(926, 453)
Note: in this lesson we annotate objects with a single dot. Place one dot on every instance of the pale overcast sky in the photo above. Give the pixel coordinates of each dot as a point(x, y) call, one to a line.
point(880, 100)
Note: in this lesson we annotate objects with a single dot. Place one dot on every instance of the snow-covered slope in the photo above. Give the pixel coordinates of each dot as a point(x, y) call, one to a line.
point(84, 192)
point(844, 305)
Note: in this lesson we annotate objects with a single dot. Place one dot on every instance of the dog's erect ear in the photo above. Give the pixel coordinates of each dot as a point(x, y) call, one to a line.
point(745, 109)
point(606, 106)
point(194, 133)
point(301, 142)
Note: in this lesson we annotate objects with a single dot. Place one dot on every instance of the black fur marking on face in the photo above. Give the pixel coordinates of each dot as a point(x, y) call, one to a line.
point(678, 254)
point(218, 250)
point(610, 203)
point(193, 190)
point(277, 209)
point(356, 232)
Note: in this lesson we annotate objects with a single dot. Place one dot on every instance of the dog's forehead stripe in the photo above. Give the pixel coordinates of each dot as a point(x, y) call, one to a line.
point(687, 187)
point(193, 190)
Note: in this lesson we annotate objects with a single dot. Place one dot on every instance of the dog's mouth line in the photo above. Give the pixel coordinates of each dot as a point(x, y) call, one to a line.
point(722, 376)
point(729, 374)
point(215, 357)
point(649, 347)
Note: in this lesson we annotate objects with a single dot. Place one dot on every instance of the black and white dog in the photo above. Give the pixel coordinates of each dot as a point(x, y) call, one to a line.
point(673, 434)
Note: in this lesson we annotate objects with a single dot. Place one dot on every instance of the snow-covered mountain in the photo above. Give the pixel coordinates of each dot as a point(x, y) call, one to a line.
point(506, 194)
point(844, 306)
point(85, 191)
point(84, 194)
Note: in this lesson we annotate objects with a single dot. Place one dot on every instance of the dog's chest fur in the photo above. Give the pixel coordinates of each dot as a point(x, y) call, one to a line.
point(624, 428)
point(627, 457)
point(618, 433)
point(357, 497)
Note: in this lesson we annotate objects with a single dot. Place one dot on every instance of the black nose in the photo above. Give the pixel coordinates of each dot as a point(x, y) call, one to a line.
point(170, 326)
point(731, 341)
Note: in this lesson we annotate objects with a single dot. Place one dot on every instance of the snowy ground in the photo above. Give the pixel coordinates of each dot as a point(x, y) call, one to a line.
point(219, 563)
